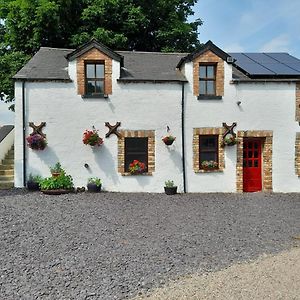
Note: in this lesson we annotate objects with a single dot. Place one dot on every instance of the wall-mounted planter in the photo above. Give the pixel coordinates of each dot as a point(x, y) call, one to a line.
point(169, 140)
point(36, 141)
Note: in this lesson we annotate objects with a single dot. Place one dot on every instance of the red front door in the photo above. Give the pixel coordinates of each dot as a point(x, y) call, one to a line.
point(252, 165)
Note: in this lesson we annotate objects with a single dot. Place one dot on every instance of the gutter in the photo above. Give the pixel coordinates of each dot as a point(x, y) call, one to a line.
point(183, 138)
point(24, 133)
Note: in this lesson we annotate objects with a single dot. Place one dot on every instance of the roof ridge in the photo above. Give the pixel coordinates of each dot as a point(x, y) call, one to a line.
point(154, 52)
point(55, 48)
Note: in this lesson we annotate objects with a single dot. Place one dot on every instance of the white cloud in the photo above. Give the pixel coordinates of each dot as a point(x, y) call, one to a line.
point(235, 47)
point(280, 43)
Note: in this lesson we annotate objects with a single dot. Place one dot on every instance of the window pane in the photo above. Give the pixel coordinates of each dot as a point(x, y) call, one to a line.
point(256, 163)
point(208, 142)
point(210, 87)
point(100, 87)
point(136, 148)
point(202, 71)
point(90, 87)
point(250, 163)
point(90, 70)
point(208, 156)
point(210, 72)
point(202, 88)
point(100, 71)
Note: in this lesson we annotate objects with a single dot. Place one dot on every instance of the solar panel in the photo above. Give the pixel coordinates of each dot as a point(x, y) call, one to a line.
point(267, 64)
point(249, 65)
point(286, 59)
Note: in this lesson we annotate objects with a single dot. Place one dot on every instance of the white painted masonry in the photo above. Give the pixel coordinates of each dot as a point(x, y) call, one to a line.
point(154, 106)
point(137, 106)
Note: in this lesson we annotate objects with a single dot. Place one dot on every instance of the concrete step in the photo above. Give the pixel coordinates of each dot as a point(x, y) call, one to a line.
point(6, 178)
point(8, 162)
point(6, 167)
point(6, 185)
point(6, 172)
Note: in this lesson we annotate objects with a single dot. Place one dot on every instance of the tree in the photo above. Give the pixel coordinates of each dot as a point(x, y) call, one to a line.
point(156, 25)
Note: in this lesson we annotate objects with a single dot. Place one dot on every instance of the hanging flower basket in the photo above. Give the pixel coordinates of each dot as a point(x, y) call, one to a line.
point(209, 165)
point(229, 140)
point(168, 140)
point(36, 141)
point(137, 167)
point(92, 138)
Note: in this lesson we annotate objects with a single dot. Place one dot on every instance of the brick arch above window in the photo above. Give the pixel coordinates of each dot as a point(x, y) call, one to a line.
point(94, 55)
point(150, 134)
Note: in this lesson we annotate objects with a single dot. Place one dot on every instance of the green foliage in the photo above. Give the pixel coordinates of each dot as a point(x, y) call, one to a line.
point(57, 168)
point(62, 181)
point(26, 25)
point(35, 178)
point(169, 183)
point(10, 63)
point(95, 180)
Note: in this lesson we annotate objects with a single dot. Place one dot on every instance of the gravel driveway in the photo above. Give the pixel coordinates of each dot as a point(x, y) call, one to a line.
point(115, 246)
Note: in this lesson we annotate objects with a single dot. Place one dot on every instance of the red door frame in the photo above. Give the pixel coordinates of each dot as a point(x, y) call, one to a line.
point(252, 164)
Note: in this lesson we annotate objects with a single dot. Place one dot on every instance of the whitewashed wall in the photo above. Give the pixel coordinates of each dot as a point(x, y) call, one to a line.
point(264, 106)
point(136, 106)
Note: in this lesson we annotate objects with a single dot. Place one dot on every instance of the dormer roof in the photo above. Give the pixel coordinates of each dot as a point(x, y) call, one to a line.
point(93, 44)
point(209, 46)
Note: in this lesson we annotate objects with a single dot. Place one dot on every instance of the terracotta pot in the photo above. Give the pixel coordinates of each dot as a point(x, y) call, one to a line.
point(55, 174)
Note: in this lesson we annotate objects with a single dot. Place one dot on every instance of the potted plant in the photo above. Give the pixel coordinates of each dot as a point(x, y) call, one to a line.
point(209, 165)
point(137, 167)
point(229, 140)
point(36, 141)
point(92, 138)
point(56, 170)
point(33, 182)
point(170, 188)
point(94, 185)
point(169, 139)
point(57, 185)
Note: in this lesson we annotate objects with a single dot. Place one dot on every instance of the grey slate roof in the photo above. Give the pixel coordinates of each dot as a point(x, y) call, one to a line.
point(152, 66)
point(51, 64)
point(46, 64)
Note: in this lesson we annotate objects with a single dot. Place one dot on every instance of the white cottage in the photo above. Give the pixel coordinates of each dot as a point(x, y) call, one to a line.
point(203, 99)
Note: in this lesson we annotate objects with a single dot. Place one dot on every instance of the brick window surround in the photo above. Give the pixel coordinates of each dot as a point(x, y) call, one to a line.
point(90, 56)
point(150, 134)
point(297, 154)
point(209, 57)
point(208, 131)
point(267, 149)
point(297, 116)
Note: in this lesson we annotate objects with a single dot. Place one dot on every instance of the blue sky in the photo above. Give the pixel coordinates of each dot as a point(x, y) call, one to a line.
point(251, 25)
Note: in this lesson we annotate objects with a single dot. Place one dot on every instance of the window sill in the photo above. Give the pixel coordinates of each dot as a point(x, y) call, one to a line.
point(100, 96)
point(209, 170)
point(209, 97)
point(142, 174)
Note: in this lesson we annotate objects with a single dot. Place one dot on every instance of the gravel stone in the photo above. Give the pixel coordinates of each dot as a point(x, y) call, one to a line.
point(116, 246)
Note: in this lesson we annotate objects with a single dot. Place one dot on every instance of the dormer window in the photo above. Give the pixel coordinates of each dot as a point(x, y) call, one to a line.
point(94, 78)
point(207, 79)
